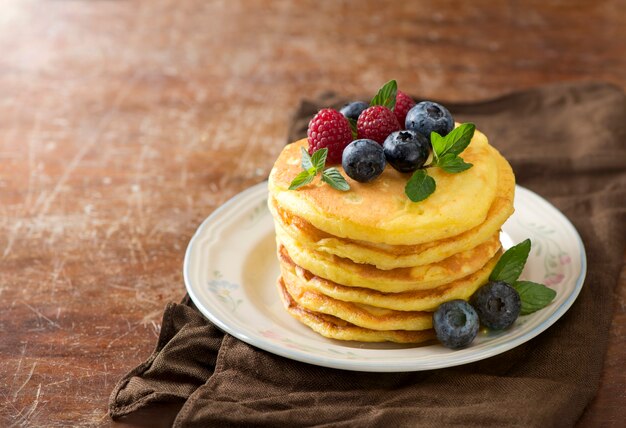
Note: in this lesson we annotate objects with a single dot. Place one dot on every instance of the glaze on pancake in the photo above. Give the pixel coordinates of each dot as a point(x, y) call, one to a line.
point(380, 212)
point(346, 272)
point(355, 313)
point(335, 328)
point(422, 300)
point(396, 256)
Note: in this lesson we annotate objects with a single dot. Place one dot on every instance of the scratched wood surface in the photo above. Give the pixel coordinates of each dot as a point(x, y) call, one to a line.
point(123, 124)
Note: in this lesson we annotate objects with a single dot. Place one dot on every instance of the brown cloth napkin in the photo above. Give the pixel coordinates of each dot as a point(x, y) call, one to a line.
point(567, 142)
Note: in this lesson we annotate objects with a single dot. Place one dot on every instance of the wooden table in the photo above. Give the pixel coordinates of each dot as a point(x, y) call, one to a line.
point(124, 124)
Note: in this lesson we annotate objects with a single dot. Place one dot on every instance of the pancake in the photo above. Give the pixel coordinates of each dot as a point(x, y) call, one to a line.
point(395, 256)
point(380, 212)
point(335, 328)
point(422, 300)
point(358, 314)
point(344, 271)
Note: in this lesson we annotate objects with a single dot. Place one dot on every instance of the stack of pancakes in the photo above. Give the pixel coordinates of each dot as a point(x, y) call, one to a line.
point(370, 265)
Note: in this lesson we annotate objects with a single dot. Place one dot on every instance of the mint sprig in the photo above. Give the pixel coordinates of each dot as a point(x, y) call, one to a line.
point(455, 142)
point(446, 151)
point(313, 165)
point(534, 296)
point(386, 95)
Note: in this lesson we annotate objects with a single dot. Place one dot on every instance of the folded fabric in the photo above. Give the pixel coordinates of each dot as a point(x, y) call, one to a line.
point(566, 142)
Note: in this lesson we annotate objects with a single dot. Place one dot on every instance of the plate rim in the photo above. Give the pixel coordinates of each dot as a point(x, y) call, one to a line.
point(365, 365)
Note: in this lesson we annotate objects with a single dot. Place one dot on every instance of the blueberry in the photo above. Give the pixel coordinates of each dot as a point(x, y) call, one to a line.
point(427, 116)
point(363, 160)
point(354, 109)
point(456, 323)
point(406, 151)
point(498, 305)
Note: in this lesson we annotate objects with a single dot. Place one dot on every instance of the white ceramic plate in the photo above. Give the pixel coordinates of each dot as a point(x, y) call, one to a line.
point(231, 269)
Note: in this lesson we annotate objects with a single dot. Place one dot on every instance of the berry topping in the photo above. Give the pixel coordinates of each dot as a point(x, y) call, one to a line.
point(376, 122)
point(403, 105)
point(427, 117)
point(354, 109)
point(329, 129)
point(455, 323)
point(406, 151)
point(363, 160)
point(498, 305)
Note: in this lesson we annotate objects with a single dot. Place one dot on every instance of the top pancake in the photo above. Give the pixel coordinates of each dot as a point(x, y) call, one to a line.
point(385, 256)
point(380, 212)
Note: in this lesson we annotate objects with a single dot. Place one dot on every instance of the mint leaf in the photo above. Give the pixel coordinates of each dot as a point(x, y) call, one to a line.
point(460, 137)
point(511, 264)
point(319, 159)
point(420, 186)
point(534, 296)
point(386, 95)
point(313, 165)
point(302, 179)
point(452, 163)
point(306, 162)
point(353, 128)
point(333, 177)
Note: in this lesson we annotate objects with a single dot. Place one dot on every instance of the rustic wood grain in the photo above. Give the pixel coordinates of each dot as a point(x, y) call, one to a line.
point(123, 124)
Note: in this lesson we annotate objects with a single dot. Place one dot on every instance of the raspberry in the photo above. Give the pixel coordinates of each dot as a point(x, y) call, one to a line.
point(403, 105)
point(329, 129)
point(376, 123)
